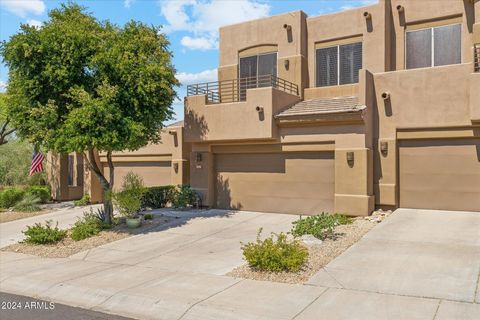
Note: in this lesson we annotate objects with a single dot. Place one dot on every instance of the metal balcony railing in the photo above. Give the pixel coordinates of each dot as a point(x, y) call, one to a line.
point(236, 89)
point(476, 58)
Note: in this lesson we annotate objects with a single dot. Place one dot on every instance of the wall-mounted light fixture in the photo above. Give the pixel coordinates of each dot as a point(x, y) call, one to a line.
point(175, 167)
point(259, 109)
point(287, 27)
point(286, 63)
point(350, 158)
point(386, 95)
point(367, 15)
point(198, 157)
point(384, 147)
point(400, 8)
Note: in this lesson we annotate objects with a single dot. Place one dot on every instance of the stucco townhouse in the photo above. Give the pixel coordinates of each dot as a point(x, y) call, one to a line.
point(371, 107)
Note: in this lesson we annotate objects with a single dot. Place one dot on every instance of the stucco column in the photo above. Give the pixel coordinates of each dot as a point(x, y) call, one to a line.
point(202, 175)
point(91, 185)
point(353, 181)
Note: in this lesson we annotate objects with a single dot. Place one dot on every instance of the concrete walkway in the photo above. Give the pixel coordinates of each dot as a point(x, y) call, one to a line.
point(11, 232)
point(418, 264)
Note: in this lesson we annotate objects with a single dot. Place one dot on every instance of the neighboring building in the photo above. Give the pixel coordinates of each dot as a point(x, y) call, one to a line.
point(371, 107)
point(159, 164)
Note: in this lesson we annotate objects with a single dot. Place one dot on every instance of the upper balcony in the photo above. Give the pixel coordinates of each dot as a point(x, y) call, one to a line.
point(237, 109)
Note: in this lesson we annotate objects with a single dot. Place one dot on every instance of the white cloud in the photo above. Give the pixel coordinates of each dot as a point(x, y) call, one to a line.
point(199, 43)
point(203, 76)
point(24, 7)
point(202, 19)
point(3, 86)
point(34, 23)
point(128, 3)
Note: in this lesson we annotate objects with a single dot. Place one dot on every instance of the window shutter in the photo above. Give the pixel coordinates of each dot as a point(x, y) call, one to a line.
point(327, 67)
point(447, 45)
point(419, 49)
point(350, 62)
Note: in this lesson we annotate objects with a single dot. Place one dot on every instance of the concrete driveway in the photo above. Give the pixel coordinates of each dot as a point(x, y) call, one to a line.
point(418, 264)
point(11, 232)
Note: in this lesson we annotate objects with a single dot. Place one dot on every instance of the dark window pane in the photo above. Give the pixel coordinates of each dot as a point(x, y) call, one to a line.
point(350, 62)
point(327, 67)
point(248, 75)
point(447, 45)
point(267, 66)
point(419, 49)
point(248, 67)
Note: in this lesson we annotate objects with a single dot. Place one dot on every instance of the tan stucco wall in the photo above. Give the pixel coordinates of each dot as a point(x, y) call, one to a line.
point(235, 121)
point(266, 32)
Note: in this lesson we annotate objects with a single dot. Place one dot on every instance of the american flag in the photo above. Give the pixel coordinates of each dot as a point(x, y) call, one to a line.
point(37, 165)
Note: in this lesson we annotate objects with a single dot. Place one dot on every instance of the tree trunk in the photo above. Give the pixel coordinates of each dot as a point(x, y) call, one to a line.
point(106, 185)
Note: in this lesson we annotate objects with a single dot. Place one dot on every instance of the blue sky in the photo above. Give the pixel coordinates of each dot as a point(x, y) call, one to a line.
point(191, 25)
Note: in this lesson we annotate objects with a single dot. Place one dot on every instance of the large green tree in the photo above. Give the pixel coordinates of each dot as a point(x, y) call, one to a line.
point(6, 131)
point(78, 84)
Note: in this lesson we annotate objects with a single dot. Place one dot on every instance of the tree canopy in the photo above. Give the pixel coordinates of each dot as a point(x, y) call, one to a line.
point(78, 84)
point(6, 131)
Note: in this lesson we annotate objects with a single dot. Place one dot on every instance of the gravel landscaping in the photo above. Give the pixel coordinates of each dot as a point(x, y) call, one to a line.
point(68, 246)
point(319, 254)
point(7, 216)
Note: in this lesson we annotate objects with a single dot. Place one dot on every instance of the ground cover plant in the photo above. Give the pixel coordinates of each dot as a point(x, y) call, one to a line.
point(275, 253)
point(87, 226)
point(85, 200)
point(29, 203)
point(320, 226)
point(43, 234)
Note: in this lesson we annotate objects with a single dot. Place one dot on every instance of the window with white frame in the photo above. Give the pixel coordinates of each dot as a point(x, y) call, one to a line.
point(434, 47)
point(338, 64)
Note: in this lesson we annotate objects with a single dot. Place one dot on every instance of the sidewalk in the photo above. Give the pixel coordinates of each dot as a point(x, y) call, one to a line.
point(11, 232)
point(415, 265)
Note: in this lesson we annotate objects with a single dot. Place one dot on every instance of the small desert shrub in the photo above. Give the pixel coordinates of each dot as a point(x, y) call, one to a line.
point(9, 197)
point(85, 200)
point(41, 234)
point(320, 226)
point(87, 226)
point(275, 253)
point(129, 200)
point(184, 197)
point(40, 192)
point(158, 197)
point(148, 216)
point(29, 203)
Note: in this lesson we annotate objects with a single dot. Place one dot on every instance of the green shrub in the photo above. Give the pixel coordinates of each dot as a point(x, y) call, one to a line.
point(275, 253)
point(29, 203)
point(158, 197)
point(39, 234)
point(10, 197)
point(184, 197)
point(40, 192)
point(320, 226)
point(87, 226)
point(148, 216)
point(85, 200)
point(129, 200)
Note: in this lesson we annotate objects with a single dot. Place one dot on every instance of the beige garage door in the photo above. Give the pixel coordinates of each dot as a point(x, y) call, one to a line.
point(153, 173)
point(442, 174)
point(301, 183)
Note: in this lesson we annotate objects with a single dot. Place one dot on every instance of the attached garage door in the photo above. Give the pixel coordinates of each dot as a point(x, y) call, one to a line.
point(153, 173)
point(300, 183)
point(440, 174)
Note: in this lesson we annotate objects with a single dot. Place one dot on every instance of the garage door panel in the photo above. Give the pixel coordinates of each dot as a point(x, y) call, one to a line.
point(440, 174)
point(304, 185)
point(155, 173)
